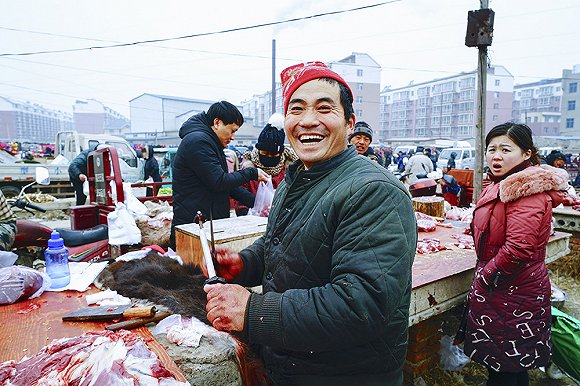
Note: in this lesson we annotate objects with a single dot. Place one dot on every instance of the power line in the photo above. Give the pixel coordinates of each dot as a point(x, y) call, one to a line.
point(205, 33)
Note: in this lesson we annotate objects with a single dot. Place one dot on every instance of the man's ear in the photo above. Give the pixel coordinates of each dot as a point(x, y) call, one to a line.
point(216, 123)
point(350, 123)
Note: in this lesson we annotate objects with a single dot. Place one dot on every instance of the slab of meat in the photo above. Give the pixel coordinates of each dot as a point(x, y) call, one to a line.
point(425, 223)
point(18, 283)
point(426, 246)
point(94, 358)
point(463, 241)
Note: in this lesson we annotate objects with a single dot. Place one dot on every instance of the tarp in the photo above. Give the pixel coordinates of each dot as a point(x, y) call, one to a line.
point(566, 343)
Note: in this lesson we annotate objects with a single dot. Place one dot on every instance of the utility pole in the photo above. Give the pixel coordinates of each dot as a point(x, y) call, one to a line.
point(479, 34)
point(273, 76)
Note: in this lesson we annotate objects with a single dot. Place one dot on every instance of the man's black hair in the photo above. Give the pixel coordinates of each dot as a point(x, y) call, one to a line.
point(226, 112)
point(345, 97)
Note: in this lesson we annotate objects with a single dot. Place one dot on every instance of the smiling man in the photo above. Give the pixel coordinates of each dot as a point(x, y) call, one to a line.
point(361, 139)
point(201, 181)
point(335, 260)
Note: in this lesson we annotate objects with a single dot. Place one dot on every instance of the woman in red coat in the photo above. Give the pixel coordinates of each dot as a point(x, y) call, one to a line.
point(270, 155)
point(508, 322)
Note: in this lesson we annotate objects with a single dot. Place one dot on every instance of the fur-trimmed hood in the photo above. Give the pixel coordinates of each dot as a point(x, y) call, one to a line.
point(533, 180)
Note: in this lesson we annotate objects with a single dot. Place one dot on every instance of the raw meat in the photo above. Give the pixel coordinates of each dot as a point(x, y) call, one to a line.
point(463, 241)
point(427, 246)
point(18, 283)
point(94, 358)
point(425, 223)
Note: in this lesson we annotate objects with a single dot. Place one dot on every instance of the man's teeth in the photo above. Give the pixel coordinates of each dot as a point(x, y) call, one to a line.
point(311, 138)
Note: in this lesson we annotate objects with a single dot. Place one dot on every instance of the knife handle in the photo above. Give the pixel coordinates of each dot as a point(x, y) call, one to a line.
point(138, 322)
point(139, 312)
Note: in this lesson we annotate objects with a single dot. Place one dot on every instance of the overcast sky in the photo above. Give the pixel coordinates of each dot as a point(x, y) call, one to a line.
point(413, 40)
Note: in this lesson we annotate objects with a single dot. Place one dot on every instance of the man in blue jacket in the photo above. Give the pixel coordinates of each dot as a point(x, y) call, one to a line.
point(335, 260)
point(201, 181)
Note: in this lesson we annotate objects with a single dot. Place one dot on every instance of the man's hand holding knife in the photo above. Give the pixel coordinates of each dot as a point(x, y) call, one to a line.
point(226, 303)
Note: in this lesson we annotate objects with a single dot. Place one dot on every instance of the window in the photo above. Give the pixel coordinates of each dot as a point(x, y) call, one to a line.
point(496, 95)
point(359, 72)
point(496, 106)
point(497, 82)
point(494, 118)
point(569, 123)
point(572, 87)
point(544, 101)
point(359, 113)
point(358, 99)
point(571, 105)
point(359, 86)
point(546, 130)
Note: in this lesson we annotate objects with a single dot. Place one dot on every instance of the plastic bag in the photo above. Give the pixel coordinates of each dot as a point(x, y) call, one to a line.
point(452, 357)
point(263, 201)
point(134, 206)
point(19, 283)
point(86, 191)
point(122, 227)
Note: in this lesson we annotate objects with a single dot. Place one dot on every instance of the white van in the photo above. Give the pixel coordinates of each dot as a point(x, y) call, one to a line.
point(405, 149)
point(464, 159)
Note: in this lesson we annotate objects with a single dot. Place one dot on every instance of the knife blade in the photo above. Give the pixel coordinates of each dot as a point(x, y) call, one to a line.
point(137, 322)
point(207, 257)
point(108, 312)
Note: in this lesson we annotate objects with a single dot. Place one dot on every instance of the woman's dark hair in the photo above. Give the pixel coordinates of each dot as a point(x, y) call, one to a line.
point(345, 97)
point(226, 112)
point(520, 134)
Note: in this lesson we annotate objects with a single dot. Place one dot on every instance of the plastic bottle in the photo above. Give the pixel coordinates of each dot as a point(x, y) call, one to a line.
point(56, 259)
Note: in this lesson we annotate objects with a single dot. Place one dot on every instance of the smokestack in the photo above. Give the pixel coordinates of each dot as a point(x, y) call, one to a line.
point(273, 76)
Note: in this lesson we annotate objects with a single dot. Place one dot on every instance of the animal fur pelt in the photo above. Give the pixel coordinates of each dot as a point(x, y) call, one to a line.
point(160, 280)
point(163, 281)
point(532, 180)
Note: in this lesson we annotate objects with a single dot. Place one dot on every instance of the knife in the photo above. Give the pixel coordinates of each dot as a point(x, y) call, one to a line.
point(137, 322)
point(108, 313)
point(207, 257)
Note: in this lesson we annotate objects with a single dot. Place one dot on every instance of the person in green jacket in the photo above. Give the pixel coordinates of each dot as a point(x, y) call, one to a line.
point(335, 260)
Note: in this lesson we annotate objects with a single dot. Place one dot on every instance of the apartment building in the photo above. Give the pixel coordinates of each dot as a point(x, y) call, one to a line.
point(27, 122)
point(443, 108)
point(92, 117)
point(363, 75)
point(570, 119)
point(538, 104)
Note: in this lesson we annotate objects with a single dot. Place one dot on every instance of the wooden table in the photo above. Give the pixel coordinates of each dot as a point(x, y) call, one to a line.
point(27, 326)
point(441, 280)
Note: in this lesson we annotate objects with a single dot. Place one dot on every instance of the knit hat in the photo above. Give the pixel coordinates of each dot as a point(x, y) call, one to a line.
point(298, 74)
point(362, 128)
point(272, 136)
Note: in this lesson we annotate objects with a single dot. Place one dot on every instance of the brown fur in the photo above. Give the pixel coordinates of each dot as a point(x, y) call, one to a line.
point(163, 281)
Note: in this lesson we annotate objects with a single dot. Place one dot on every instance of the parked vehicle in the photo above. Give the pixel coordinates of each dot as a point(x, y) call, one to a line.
point(405, 149)
point(84, 245)
point(465, 157)
point(14, 175)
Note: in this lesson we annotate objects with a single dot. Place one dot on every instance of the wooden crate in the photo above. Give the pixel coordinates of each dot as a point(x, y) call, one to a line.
point(235, 233)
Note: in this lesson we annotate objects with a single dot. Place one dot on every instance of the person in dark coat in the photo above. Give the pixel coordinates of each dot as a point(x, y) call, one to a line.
point(508, 318)
point(451, 161)
point(201, 181)
point(556, 159)
point(270, 155)
point(361, 138)
point(151, 168)
point(334, 265)
point(77, 172)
